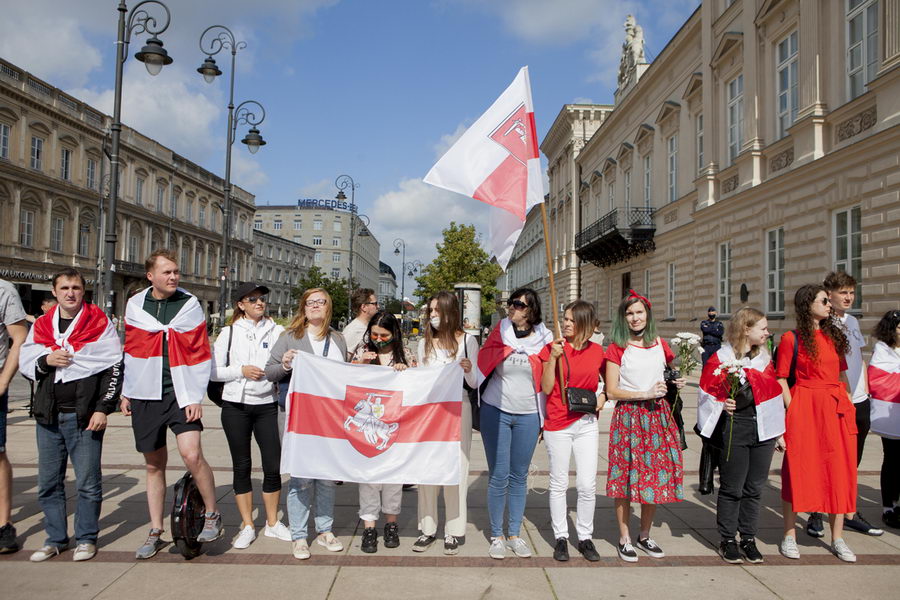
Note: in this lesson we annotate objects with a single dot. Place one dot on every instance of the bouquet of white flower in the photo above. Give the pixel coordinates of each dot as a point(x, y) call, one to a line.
point(686, 346)
point(734, 376)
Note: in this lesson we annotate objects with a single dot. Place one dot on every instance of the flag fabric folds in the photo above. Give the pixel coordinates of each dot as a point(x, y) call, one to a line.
point(497, 161)
point(372, 424)
point(884, 387)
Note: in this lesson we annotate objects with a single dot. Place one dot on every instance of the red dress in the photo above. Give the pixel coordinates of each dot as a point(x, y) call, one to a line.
point(819, 469)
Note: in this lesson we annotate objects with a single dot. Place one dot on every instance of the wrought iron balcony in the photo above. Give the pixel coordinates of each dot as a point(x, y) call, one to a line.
point(617, 236)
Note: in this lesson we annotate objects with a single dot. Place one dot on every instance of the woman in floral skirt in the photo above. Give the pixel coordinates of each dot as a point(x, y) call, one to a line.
point(644, 449)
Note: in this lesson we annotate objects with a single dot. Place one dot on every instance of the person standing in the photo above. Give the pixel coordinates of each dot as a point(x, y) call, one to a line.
point(364, 305)
point(250, 407)
point(13, 330)
point(711, 330)
point(74, 355)
point(309, 332)
point(744, 427)
point(167, 368)
point(446, 342)
point(509, 378)
point(645, 462)
point(818, 473)
point(884, 385)
point(568, 432)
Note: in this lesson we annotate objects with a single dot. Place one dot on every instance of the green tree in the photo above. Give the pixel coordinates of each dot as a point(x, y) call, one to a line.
point(393, 306)
point(460, 258)
point(336, 288)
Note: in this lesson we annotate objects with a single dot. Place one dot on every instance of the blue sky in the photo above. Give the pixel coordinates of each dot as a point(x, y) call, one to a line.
point(373, 88)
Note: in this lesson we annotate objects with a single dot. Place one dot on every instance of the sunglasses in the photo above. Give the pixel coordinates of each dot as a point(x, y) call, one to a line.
point(826, 301)
point(320, 302)
point(255, 299)
point(517, 304)
point(372, 303)
point(381, 336)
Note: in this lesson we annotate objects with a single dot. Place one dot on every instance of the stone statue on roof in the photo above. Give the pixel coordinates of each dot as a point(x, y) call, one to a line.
point(632, 50)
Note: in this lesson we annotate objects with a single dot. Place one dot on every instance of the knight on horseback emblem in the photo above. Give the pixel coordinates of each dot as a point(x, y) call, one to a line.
point(368, 412)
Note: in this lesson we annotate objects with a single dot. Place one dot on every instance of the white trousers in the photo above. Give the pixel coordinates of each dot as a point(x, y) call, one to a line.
point(379, 497)
point(581, 438)
point(454, 495)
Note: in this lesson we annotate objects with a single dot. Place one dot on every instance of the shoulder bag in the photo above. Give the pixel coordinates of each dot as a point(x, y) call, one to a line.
point(577, 399)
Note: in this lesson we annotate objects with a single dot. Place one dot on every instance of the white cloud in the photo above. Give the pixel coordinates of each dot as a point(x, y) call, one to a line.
point(448, 139)
point(582, 100)
point(246, 172)
point(324, 188)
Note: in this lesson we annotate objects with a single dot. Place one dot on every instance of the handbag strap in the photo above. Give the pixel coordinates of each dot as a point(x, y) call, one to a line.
point(327, 345)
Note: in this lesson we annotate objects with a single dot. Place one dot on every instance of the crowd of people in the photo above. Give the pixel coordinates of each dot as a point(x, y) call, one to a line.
point(814, 401)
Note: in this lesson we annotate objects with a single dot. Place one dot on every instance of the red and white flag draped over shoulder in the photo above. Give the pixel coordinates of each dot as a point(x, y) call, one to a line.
point(502, 342)
point(767, 394)
point(497, 161)
point(90, 337)
point(884, 387)
point(189, 352)
point(372, 424)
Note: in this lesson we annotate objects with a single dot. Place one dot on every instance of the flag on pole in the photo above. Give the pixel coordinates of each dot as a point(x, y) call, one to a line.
point(497, 161)
point(372, 424)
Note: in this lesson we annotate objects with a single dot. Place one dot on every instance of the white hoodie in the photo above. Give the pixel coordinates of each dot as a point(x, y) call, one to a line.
point(251, 344)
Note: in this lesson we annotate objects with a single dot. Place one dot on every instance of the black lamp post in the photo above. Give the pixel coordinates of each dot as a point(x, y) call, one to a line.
point(400, 250)
point(342, 183)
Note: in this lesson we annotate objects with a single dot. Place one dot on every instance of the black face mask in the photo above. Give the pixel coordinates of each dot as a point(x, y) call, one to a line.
point(712, 316)
point(524, 332)
point(639, 333)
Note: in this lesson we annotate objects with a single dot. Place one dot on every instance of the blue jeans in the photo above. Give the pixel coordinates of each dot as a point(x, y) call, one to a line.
point(56, 444)
point(509, 442)
point(299, 500)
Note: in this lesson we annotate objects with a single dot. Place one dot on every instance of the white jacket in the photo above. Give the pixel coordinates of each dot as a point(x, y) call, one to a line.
point(250, 345)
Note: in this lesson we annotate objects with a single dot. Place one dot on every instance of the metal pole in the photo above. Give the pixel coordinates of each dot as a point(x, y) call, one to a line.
point(226, 209)
point(341, 183)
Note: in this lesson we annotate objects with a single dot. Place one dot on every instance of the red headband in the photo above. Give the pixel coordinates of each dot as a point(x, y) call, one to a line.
point(634, 294)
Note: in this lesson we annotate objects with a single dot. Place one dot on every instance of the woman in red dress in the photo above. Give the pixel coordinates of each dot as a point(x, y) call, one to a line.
point(819, 469)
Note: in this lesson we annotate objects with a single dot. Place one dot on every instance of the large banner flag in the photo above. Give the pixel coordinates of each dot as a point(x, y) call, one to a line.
point(884, 387)
point(372, 424)
point(497, 161)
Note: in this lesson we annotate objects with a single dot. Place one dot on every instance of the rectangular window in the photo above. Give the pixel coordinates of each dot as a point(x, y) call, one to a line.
point(699, 134)
point(271, 270)
point(862, 45)
point(278, 275)
point(297, 239)
point(335, 257)
point(724, 278)
point(189, 215)
point(65, 164)
point(4, 140)
point(209, 262)
point(337, 225)
point(160, 197)
point(257, 225)
point(202, 217)
point(133, 242)
point(336, 242)
point(138, 190)
point(276, 225)
point(672, 167)
point(26, 228)
point(317, 240)
point(197, 270)
point(335, 273)
point(627, 180)
point(848, 246)
point(57, 229)
point(184, 257)
point(317, 225)
point(298, 225)
point(775, 271)
point(173, 204)
point(735, 97)
point(91, 173)
point(84, 240)
point(611, 195)
point(626, 281)
point(318, 258)
point(648, 181)
point(37, 153)
point(786, 78)
point(670, 291)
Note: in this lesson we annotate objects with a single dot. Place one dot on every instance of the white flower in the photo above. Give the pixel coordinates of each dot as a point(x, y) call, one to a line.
point(718, 371)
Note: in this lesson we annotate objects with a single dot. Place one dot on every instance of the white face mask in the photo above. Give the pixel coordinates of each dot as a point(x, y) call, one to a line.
point(435, 322)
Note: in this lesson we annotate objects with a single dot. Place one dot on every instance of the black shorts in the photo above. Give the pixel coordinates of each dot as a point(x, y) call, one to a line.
point(150, 418)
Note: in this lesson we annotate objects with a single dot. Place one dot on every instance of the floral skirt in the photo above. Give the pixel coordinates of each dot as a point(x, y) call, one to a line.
point(645, 462)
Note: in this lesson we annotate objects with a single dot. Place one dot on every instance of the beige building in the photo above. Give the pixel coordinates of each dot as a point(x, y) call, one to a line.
point(324, 225)
point(279, 264)
point(528, 263)
point(387, 284)
point(757, 152)
point(51, 183)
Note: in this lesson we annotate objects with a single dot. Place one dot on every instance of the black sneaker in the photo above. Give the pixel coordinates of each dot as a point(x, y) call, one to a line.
point(561, 550)
point(860, 524)
point(750, 552)
point(814, 525)
point(8, 543)
point(626, 552)
point(650, 547)
point(586, 547)
point(369, 540)
point(451, 545)
point(423, 543)
point(891, 518)
point(728, 550)
point(391, 535)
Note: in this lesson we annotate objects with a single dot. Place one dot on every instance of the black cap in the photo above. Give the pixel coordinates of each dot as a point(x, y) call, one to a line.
point(711, 309)
point(245, 289)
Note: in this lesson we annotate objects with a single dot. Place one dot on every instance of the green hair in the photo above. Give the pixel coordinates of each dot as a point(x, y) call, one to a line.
point(621, 333)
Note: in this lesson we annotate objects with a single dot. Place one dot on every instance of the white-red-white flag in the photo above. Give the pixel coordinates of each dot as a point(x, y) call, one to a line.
point(497, 161)
point(884, 386)
point(372, 424)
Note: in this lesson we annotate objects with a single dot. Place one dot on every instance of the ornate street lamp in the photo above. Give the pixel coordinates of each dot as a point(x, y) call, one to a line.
point(342, 183)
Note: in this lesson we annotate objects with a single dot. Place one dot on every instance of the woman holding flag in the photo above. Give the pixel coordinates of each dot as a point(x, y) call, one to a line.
point(884, 386)
point(743, 424)
point(512, 403)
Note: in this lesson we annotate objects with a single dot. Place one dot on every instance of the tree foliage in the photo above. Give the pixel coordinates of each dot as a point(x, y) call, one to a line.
point(460, 258)
point(336, 288)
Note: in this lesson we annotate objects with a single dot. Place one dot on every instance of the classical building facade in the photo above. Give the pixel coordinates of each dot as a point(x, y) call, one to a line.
point(325, 226)
point(279, 264)
point(528, 263)
point(52, 190)
point(387, 284)
point(758, 151)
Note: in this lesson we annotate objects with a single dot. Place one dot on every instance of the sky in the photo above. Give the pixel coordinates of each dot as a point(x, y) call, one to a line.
point(376, 89)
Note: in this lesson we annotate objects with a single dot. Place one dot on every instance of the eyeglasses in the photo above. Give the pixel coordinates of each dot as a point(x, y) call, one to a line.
point(517, 304)
point(372, 303)
point(319, 302)
point(826, 301)
point(381, 336)
point(255, 299)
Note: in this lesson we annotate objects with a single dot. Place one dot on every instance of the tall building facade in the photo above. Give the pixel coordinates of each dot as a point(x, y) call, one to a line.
point(387, 284)
point(325, 225)
point(279, 264)
point(756, 153)
point(53, 189)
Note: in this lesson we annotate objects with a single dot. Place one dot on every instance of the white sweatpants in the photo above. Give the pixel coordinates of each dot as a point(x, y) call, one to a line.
point(379, 497)
point(454, 495)
point(581, 438)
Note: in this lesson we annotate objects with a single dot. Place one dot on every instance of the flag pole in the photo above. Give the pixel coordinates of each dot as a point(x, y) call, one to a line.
point(553, 302)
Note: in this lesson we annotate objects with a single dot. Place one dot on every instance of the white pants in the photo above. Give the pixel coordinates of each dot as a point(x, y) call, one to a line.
point(379, 497)
point(454, 495)
point(580, 438)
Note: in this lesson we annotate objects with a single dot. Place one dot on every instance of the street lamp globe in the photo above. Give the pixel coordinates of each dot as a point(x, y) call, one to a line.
point(340, 195)
point(209, 70)
point(154, 56)
point(253, 140)
point(396, 251)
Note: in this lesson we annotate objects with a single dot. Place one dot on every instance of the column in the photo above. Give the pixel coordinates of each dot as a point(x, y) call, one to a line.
point(75, 225)
point(890, 33)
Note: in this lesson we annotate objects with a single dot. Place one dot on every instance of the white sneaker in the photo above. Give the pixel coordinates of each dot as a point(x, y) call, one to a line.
point(84, 551)
point(789, 549)
point(842, 551)
point(45, 553)
point(331, 543)
point(519, 547)
point(278, 531)
point(300, 549)
point(498, 548)
point(244, 537)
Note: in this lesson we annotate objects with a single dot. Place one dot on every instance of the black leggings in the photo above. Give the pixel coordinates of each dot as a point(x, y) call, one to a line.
point(863, 423)
point(890, 472)
point(240, 422)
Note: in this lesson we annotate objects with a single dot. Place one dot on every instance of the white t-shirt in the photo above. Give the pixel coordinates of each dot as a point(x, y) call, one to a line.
point(353, 333)
point(318, 346)
point(511, 389)
point(11, 312)
point(855, 373)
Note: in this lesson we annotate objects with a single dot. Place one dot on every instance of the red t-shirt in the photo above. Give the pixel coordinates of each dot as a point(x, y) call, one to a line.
point(583, 372)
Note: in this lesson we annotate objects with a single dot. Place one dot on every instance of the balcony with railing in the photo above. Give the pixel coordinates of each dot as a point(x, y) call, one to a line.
point(617, 236)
